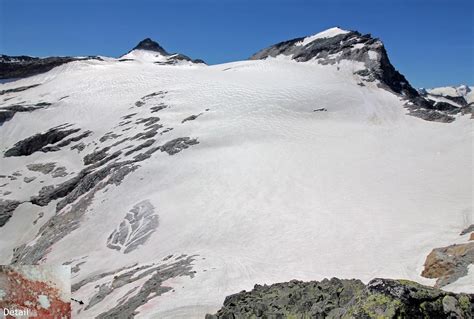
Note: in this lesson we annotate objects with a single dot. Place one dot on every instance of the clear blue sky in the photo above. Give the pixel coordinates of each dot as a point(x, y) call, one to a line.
point(430, 41)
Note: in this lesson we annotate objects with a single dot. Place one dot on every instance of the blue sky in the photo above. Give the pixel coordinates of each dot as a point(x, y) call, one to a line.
point(430, 41)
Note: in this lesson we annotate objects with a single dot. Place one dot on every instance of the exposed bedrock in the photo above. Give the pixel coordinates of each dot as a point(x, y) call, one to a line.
point(6, 210)
point(341, 298)
point(135, 229)
point(79, 193)
point(448, 264)
point(153, 277)
point(75, 196)
point(41, 141)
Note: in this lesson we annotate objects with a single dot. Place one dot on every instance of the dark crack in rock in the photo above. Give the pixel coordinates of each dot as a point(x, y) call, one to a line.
point(39, 141)
point(448, 264)
point(135, 229)
point(6, 210)
point(341, 298)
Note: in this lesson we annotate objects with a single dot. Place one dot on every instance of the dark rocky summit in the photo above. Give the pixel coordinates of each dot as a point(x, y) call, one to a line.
point(336, 298)
point(173, 58)
point(150, 45)
point(12, 67)
point(370, 51)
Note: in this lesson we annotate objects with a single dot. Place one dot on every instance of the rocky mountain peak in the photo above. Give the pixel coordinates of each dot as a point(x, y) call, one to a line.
point(150, 45)
point(334, 45)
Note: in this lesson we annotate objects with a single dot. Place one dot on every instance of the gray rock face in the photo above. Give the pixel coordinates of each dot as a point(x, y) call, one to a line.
point(96, 156)
point(191, 117)
point(47, 168)
point(145, 144)
point(29, 179)
point(336, 298)
point(135, 229)
point(152, 288)
point(40, 141)
point(44, 168)
point(128, 278)
point(450, 263)
point(177, 145)
point(77, 192)
point(6, 210)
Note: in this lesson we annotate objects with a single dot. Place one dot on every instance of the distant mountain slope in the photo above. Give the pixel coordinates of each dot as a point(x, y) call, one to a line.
point(150, 51)
point(13, 67)
point(336, 46)
point(459, 97)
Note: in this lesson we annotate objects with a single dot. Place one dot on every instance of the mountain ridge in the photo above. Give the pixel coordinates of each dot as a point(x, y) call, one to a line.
point(335, 45)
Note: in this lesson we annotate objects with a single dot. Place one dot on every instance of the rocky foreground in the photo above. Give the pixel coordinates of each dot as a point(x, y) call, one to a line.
point(336, 298)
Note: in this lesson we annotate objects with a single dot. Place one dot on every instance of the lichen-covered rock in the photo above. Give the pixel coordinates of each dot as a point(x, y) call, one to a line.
point(336, 298)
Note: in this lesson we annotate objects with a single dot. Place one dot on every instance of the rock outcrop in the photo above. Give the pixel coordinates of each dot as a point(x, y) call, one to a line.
point(340, 298)
point(448, 264)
